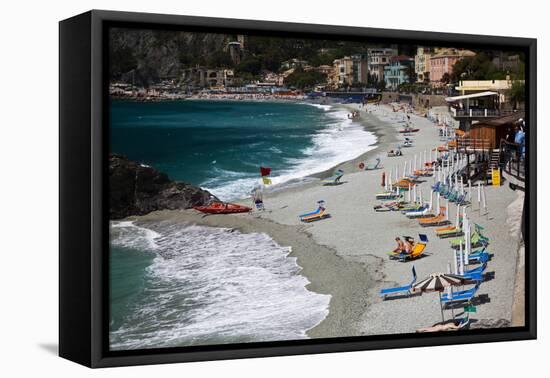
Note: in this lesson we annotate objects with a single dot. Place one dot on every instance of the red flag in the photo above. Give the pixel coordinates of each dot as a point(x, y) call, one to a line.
point(265, 171)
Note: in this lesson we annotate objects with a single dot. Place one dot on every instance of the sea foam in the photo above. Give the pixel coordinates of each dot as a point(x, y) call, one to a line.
point(340, 140)
point(216, 285)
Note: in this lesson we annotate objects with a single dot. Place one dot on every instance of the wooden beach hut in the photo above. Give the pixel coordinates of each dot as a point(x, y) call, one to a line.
point(495, 129)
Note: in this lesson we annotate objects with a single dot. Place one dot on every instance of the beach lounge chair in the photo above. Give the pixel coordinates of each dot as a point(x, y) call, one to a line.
point(372, 166)
point(412, 208)
point(439, 220)
point(477, 240)
point(316, 215)
point(417, 250)
point(422, 212)
point(478, 257)
point(389, 196)
point(403, 290)
point(459, 296)
point(335, 178)
point(450, 231)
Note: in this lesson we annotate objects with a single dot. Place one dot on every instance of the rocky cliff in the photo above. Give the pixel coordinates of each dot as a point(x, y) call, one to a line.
point(137, 189)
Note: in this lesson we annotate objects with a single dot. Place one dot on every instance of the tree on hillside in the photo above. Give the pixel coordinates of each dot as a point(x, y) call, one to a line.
point(305, 80)
point(478, 67)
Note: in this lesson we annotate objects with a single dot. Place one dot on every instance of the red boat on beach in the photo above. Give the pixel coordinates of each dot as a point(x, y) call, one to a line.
point(409, 130)
point(222, 208)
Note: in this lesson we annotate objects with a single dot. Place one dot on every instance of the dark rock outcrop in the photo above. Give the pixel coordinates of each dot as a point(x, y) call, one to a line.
point(137, 189)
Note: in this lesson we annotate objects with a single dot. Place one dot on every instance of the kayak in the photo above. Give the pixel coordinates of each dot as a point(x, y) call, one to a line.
point(409, 130)
point(222, 208)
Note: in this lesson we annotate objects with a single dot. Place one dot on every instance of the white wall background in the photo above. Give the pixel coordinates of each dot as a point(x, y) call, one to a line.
point(29, 188)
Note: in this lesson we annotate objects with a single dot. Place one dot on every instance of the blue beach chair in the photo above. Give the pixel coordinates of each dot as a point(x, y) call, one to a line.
point(401, 289)
point(460, 296)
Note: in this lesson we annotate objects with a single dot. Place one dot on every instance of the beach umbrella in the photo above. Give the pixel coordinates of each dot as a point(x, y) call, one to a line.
point(438, 282)
point(463, 258)
point(479, 196)
point(484, 201)
point(409, 194)
point(447, 210)
point(414, 167)
point(420, 200)
point(455, 261)
point(461, 186)
point(431, 199)
point(457, 216)
point(466, 228)
point(438, 202)
point(414, 193)
point(470, 191)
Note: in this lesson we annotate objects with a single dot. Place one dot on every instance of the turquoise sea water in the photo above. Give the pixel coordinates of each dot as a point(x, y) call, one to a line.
point(220, 145)
point(174, 285)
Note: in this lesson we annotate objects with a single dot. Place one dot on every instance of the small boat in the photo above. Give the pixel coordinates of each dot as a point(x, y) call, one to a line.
point(222, 208)
point(409, 130)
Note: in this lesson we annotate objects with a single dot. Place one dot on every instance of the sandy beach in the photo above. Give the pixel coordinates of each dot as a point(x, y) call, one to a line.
point(345, 255)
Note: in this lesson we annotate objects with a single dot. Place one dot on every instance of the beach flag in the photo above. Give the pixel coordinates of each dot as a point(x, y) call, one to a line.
point(265, 171)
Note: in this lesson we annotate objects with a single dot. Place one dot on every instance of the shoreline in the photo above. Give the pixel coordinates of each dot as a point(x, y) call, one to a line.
point(345, 255)
point(326, 272)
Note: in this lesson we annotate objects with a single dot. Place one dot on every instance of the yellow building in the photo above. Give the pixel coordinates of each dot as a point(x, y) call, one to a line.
point(422, 64)
point(502, 87)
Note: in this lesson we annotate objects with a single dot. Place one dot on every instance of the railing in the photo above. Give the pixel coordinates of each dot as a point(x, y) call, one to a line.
point(475, 112)
point(512, 161)
point(475, 144)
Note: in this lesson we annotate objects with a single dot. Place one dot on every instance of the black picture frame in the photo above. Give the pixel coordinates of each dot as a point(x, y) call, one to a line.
point(83, 228)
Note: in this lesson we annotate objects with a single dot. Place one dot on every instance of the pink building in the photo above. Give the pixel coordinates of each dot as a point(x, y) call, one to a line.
point(443, 62)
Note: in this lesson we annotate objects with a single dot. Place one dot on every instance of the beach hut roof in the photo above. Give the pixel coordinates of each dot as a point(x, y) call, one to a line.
point(501, 121)
point(473, 95)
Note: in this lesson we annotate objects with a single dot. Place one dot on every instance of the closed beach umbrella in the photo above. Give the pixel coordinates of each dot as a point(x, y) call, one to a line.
point(438, 282)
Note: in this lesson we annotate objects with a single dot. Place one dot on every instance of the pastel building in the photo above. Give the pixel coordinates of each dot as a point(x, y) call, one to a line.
point(443, 62)
point(397, 71)
point(422, 64)
point(348, 71)
point(377, 59)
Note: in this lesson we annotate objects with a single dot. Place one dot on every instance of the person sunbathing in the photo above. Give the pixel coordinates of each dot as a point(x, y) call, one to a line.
point(408, 246)
point(400, 245)
point(439, 328)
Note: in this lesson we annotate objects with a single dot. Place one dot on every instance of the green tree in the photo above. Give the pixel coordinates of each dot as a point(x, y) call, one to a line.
point(517, 93)
point(305, 80)
point(446, 78)
point(251, 65)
